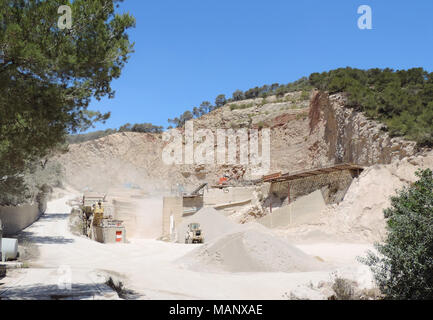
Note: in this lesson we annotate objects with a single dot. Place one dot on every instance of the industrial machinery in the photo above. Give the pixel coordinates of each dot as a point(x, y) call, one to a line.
point(88, 205)
point(194, 234)
point(199, 190)
point(98, 223)
point(110, 231)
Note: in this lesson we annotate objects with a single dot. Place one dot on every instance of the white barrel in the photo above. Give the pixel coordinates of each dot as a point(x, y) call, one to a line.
point(9, 249)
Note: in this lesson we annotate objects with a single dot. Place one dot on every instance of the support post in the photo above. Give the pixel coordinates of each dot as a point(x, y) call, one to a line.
point(288, 192)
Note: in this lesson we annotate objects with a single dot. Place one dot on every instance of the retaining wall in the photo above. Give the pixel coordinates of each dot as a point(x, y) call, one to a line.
point(214, 197)
point(15, 219)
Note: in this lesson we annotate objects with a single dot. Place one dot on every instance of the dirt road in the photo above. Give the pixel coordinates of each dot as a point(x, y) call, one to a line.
point(147, 268)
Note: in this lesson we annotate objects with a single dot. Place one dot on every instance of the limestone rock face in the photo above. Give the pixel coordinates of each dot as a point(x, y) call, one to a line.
point(304, 134)
point(351, 137)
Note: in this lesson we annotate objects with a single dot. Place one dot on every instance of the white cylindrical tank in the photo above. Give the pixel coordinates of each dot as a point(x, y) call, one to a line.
point(9, 249)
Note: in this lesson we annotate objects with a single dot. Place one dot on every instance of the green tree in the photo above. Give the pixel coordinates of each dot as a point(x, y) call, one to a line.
point(281, 91)
point(125, 128)
point(238, 95)
point(186, 116)
point(205, 107)
point(196, 112)
point(48, 76)
point(404, 267)
point(175, 122)
point(220, 100)
point(146, 128)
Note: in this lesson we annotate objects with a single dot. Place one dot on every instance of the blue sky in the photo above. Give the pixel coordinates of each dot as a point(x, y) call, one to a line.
point(189, 51)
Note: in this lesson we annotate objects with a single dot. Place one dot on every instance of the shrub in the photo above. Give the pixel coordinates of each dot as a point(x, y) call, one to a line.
point(404, 267)
point(344, 289)
point(37, 179)
point(305, 95)
point(302, 116)
point(241, 106)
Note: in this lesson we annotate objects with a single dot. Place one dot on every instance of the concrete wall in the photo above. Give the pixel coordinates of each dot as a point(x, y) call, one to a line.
point(214, 197)
point(15, 219)
point(304, 210)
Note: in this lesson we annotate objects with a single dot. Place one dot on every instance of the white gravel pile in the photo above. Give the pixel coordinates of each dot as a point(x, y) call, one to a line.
point(250, 250)
point(212, 223)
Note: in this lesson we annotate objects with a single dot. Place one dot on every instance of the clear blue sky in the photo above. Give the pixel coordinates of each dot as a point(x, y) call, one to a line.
point(189, 51)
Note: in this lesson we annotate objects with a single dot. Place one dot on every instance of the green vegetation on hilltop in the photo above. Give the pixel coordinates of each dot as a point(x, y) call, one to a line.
point(141, 127)
point(402, 99)
point(258, 92)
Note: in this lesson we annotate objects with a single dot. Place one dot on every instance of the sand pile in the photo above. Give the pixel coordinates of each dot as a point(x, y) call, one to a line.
point(360, 216)
point(361, 212)
point(304, 210)
point(213, 224)
point(250, 250)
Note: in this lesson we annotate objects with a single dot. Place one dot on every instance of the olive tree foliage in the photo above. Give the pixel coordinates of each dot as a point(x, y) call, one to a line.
point(49, 75)
point(403, 267)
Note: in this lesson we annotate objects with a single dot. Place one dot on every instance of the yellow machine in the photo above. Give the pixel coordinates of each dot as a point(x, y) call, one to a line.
point(194, 234)
point(98, 214)
point(99, 224)
point(93, 211)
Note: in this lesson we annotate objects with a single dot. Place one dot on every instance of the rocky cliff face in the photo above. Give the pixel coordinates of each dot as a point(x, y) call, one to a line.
point(350, 137)
point(304, 134)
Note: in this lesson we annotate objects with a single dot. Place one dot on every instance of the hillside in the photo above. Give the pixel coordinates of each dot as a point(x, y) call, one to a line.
point(305, 133)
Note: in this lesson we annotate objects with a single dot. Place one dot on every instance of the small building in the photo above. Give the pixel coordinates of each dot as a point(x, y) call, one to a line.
point(225, 199)
point(177, 207)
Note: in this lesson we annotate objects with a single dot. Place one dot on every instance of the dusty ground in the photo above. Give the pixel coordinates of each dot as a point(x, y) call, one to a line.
point(150, 268)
